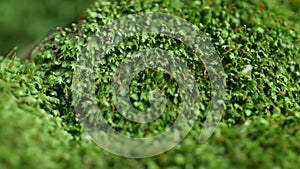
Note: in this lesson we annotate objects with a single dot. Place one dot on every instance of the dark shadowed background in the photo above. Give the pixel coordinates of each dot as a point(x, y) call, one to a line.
point(24, 22)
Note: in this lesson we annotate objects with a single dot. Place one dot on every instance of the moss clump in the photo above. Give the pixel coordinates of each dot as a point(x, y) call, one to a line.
point(29, 136)
point(260, 126)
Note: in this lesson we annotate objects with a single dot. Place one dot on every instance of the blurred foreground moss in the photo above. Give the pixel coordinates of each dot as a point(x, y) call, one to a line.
point(260, 127)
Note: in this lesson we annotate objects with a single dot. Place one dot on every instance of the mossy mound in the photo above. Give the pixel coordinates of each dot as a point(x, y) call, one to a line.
point(260, 125)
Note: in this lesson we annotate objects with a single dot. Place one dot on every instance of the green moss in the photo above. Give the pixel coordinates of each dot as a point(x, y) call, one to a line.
point(260, 126)
point(29, 135)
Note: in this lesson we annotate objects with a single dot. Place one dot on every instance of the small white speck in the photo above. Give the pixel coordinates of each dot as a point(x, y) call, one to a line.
point(247, 69)
point(247, 123)
point(289, 46)
point(222, 42)
point(88, 137)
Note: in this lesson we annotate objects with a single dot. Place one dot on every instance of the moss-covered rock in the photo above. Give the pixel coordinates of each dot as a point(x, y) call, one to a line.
point(260, 125)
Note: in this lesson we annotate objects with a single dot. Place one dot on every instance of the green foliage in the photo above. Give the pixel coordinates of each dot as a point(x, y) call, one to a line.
point(260, 126)
point(26, 130)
